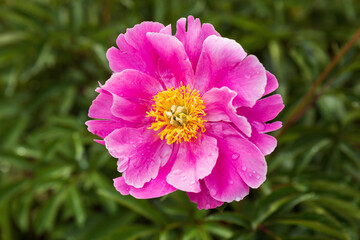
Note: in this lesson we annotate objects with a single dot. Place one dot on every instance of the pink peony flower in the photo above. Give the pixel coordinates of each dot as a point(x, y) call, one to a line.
point(186, 112)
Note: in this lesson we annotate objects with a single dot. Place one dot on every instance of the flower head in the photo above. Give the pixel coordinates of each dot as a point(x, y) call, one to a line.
point(188, 111)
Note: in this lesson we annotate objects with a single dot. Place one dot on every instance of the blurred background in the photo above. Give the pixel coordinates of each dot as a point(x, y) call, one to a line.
point(56, 183)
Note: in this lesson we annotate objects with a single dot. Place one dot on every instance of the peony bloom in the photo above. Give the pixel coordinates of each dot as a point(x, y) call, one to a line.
point(186, 112)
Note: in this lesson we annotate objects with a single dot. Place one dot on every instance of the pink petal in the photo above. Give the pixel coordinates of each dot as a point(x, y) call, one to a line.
point(223, 62)
point(133, 85)
point(140, 153)
point(129, 110)
point(270, 127)
point(251, 164)
point(100, 107)
point(264, 110)
point(131, 54)
point(224, 183)
point(218, 57)
point(154, 188)
point(266, 127)
point(237, 158)
point(265, 143)
point(248, 79)
point(219, 107)
point(166, 30)
point(193, 38)
point(271, 84)
point(193, 162)
point(102, 128)
point(203, 198)
point(131, 92)
point(173, 59)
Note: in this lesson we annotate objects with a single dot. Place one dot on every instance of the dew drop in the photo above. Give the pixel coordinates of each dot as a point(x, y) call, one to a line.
point(231, 182)
point(250, 174)
point(176, 171)
point(247, 76)
point(235, 156)
point(213, 192)
point(257, 177)
point(243, 168)
point(184, 177)
point(192, 182)
point(134, 145)
point(254, 172)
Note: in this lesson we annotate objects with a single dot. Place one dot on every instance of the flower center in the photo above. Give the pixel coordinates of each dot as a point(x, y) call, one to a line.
point(178, 114)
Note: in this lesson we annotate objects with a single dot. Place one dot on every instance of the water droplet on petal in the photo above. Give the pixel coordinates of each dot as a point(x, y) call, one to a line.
point(231, 182)
point(257, 177)
point(243, 168)
point(235, 156)
point(176, 171)
point(184, 177)
point(254, 172)
point(192, 182)
point(134, 145)
point(250, 174)
point(213, 192)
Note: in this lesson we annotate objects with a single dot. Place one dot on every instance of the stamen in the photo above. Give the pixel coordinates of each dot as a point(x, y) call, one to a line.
point(178, 114)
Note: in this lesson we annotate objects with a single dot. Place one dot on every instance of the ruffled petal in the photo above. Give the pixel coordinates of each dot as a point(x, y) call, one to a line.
point(102, 128)
point(271, 83)
point(223, 62)
point(135, 51)
point(133, 85)
point(101, 105)
point(166, 30)
point(203, 198)
point(154, 188)
point(218, 57)
point(131, 93)
point(224, 183)
point(157, 187)
point(266, 127)
point(265, 143)
point(264, 110)
point(140, 154)
point(193, 37)
point(174, 65)
point(193, 162)
point(240, 164)
point(129, 110)
point(219, 107)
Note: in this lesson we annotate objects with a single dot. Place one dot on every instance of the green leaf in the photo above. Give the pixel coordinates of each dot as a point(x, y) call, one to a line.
point(230, 217)
point(219, 230)
point(45, 219)
point(77, 205)
point(142, 207)
point(133, 232)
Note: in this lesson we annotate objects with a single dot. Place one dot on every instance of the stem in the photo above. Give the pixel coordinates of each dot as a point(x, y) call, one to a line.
point(268, 232)
point(303, 105)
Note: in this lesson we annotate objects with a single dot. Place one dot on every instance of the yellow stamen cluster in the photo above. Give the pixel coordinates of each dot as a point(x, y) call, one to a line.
point(178, 114)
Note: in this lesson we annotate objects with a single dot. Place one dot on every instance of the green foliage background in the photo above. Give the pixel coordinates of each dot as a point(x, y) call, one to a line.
point(56, 183)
